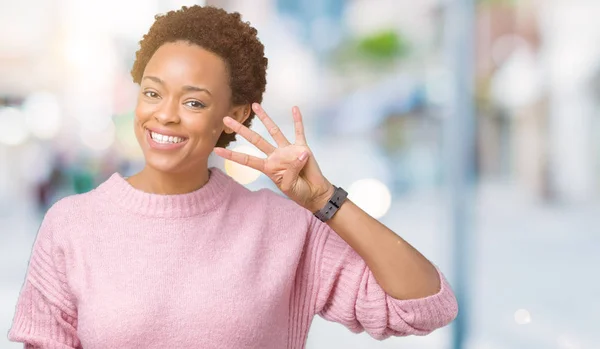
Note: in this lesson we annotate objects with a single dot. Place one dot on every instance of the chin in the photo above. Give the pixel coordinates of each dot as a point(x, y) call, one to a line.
point(165, 164)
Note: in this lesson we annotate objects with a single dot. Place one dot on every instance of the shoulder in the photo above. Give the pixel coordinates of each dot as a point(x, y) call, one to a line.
point(66, 206)
point(72, 205)
point(68, 213)
point(277, 202)
point(289, 220)
point(287, 212)
point(274, 205)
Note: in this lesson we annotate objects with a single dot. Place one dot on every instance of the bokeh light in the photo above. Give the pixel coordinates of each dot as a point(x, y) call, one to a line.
point(13, 129)
point(371, 195)
point(522, 317)
point(99, 140)
point(43, 115)
point(243, 174)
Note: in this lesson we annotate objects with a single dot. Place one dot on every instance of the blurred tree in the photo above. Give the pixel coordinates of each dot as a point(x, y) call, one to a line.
point(383, 45)
point(378, 50)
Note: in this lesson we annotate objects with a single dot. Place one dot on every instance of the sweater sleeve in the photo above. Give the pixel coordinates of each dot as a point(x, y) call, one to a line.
point(347, 293)
point(45, 315)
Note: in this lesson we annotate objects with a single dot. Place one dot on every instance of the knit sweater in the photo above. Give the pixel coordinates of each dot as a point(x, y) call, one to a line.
point(219, 267)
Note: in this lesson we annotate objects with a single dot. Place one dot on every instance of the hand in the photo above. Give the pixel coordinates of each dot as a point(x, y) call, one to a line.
point(292, 167)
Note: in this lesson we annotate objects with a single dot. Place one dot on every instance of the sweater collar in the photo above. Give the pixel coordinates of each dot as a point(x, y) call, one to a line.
point(207, 198)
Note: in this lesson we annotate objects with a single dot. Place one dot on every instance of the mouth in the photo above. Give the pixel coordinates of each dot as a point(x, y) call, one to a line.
point(164, 142)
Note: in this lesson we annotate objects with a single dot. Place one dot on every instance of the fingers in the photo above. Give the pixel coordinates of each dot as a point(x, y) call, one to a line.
point(273, 129)
point(298, 126)
point(242, 159)
point(249, 135)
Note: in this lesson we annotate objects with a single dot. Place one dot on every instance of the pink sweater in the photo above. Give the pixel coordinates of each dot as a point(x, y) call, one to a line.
point(220, 267)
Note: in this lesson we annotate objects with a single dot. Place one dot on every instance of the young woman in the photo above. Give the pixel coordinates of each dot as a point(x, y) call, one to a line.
point(179, 255)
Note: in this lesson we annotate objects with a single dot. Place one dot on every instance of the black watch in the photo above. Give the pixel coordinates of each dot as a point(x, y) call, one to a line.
point(332, 206)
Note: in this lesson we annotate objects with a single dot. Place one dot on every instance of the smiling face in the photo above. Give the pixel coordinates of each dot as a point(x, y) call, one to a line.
point(185, 94)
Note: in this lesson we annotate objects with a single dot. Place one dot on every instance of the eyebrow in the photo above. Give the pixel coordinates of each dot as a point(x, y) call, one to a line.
point(186, 88)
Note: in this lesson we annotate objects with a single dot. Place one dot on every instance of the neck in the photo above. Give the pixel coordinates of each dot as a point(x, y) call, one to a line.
point(154, 181)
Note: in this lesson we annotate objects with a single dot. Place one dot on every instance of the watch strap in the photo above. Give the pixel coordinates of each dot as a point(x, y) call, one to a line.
point(332, 206)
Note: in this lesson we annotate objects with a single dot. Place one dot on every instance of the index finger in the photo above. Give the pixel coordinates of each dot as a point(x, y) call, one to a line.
point(249, 135)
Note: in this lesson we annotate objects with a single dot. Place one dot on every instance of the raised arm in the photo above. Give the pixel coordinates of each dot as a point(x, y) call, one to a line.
point(349, 293)
point(369, 277)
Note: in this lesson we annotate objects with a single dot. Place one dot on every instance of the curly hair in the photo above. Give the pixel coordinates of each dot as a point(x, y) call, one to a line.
point(222, 33)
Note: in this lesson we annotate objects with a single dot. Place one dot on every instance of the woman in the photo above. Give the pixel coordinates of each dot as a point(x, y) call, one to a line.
point(181, 256)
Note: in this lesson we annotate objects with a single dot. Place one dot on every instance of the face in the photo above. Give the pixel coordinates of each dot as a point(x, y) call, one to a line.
point(184, 96)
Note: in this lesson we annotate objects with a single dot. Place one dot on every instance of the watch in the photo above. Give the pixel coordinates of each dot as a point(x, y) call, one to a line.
point(332, 206)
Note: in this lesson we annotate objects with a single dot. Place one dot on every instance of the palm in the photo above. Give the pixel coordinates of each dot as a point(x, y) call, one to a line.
point(278, 168)
point(300, 179)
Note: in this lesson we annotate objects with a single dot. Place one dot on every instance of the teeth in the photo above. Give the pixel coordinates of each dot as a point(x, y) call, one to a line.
point(165, 139)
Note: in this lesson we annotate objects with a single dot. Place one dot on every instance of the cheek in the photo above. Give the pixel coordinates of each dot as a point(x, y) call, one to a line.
point(217, 127)
point(203, 126)
point(143, 111)
point(217, 130)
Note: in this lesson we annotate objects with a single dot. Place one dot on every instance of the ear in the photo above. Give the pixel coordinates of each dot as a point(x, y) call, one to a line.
point(239, 113)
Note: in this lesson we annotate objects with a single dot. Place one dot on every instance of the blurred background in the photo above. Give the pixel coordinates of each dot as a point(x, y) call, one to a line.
point(470, 128)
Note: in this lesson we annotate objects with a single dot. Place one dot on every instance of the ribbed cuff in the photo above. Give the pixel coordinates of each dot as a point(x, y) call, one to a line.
point(431, 312)
point(39, 324)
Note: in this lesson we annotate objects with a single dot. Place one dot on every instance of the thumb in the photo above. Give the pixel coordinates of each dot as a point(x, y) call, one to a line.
point(289, 180)
point(300, 161)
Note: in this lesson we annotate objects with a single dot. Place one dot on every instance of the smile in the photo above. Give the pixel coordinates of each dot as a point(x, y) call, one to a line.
point(165, 139)
point(164, 142)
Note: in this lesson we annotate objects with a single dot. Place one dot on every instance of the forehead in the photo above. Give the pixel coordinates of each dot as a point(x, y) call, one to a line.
point(183, 62)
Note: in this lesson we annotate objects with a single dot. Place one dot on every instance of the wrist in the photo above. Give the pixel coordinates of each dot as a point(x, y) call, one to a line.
point(323, 198)
point(336, 200)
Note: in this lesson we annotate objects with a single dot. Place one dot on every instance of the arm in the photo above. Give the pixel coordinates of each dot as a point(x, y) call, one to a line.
point(46, 315)
point(368, 277)
point(348, 292)
point(39, 324)
point(399, 268)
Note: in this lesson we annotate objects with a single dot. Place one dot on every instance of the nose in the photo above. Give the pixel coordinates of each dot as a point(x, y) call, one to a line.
point(168, 112)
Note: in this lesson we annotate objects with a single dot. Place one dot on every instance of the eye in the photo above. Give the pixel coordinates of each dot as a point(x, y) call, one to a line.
point(195, 104)
point(151, 94)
